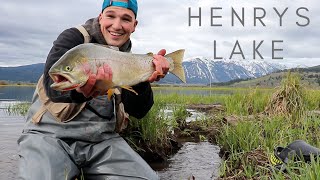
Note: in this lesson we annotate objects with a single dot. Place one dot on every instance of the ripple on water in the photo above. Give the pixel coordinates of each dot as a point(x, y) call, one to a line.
point(10, 130)
point(200, 160)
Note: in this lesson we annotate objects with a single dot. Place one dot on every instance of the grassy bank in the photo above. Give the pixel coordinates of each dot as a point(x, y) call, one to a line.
point(283, 117)
point(262, 120)
point(19, 108)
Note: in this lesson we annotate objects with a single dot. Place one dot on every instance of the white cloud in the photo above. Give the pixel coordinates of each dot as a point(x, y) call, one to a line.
point(28, 28)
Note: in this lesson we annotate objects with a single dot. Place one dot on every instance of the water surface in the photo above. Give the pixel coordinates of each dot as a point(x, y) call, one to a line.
point(10, 130)
point(25, 93)
point(16, 93)
point(200, 160)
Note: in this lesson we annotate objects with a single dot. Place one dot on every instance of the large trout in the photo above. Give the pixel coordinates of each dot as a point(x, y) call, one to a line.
point(71, 70)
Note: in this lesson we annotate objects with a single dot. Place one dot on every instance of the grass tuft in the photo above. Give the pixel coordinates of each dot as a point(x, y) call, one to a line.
point(289, 100)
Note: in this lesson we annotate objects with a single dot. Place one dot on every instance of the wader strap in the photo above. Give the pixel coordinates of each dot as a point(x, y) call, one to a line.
point(36, 118)
point(62, 112)
point(84, 32)
point(117, 93)
point(121, 116)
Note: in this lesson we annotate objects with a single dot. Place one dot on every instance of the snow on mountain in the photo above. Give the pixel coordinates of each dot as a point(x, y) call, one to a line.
point(200, 70)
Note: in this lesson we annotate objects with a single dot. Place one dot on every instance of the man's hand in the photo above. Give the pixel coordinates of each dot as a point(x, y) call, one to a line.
point(104, 73)
point(161, 66)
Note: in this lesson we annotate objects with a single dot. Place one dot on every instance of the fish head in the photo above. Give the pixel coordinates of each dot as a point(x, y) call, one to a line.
point(69, 72)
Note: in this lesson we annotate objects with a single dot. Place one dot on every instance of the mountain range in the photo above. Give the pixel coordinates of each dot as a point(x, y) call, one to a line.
point(197, 70)
point(205, 71)
point(28, 73)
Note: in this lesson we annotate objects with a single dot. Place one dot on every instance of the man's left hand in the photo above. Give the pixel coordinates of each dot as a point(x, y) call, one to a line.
point(161, 66)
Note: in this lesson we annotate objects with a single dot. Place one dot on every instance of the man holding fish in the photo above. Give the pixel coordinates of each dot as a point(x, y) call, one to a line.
point(72, 124)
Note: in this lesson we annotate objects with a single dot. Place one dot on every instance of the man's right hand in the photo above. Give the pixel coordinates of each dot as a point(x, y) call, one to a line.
point(161, 66)
point(88, 90)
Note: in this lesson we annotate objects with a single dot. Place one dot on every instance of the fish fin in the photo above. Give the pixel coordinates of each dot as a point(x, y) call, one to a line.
point(110, 93)
point(149, 54)
point(177, 58)
point(129, 89)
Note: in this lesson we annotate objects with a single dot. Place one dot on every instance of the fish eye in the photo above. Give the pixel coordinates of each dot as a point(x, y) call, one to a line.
point(67, 68)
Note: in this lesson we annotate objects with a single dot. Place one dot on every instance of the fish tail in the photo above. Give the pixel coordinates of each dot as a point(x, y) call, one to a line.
point(177, 57)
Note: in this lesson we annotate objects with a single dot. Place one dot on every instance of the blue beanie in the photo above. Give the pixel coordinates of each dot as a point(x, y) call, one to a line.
point(131, 4)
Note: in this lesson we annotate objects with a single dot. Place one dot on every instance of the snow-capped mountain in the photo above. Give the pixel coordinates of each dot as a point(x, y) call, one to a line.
point(203, 71)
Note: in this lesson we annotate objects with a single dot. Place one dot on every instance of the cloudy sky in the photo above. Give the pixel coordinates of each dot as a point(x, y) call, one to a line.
point(28, 28)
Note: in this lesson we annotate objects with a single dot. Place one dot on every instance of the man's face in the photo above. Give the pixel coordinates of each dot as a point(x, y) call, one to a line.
point(117, 24)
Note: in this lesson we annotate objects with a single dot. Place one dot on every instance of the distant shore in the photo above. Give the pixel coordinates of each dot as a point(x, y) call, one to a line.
point(22, 85)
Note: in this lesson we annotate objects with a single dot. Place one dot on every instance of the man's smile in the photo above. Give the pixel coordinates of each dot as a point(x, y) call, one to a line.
point(115, 33)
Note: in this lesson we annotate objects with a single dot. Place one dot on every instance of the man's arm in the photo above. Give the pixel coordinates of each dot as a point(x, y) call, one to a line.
point(65, 41)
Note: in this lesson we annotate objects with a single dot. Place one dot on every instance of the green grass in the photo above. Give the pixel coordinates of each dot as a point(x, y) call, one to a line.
point(248, 136)
point(153, 129)
point(313, 99)
point(248, 103)
point(19, 108)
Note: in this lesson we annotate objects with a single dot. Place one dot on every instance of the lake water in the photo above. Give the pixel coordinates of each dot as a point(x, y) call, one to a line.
point(23, 93)
point(10, 130)
point(16, 93)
